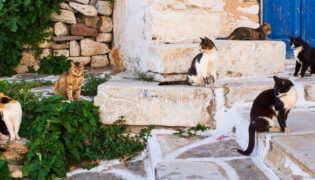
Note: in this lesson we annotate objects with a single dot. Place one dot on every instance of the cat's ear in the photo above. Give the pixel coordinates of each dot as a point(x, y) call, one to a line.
point(300, 37)
point(206, 38)
point(201, 39)
point(276, 78)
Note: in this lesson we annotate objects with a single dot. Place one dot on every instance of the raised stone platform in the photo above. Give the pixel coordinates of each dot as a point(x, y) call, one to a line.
point(236, 58)
point(145, 103)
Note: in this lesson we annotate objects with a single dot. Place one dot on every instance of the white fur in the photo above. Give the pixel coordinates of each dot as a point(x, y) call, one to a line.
point(12, 117)
point(296, 51)
point(272, 122)
point(206, 67)
point(289, 98)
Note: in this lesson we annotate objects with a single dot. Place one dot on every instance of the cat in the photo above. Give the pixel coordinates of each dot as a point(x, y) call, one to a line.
point(69, 83)
point(268, 107)
point(11, 115)
point(246, 33)
point(304, 55)
point(202, 71)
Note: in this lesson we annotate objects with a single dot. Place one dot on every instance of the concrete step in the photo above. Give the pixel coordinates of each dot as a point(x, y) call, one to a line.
point(236, 59)
point(201, 157)
point(289, 155)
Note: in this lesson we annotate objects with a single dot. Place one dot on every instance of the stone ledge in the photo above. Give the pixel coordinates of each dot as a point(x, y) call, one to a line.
point(144, 103)
point(237, 58)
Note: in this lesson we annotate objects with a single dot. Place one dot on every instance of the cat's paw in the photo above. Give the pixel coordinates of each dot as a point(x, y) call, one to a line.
point(17, 138)
point(300, 76)
point(287, 130)
point(12, 138)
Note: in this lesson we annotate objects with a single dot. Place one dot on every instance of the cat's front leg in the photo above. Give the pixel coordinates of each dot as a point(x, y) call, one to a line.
point(297, 68)
point(9, 125)
point(281, 120)
point(69, 91)
point(304, 68)
point(77, 95)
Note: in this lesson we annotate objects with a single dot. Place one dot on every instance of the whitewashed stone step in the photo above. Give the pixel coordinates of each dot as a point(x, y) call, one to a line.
point(145, 103)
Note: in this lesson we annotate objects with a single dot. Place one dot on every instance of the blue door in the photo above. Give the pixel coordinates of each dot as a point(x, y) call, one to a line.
point(290, 18)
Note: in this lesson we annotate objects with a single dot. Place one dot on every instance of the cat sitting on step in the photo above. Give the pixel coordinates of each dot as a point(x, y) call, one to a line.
point(202, 71)
point(270, 106)
point(69, 83)
point(10, 116)
point(304, 55)
point(246, 33)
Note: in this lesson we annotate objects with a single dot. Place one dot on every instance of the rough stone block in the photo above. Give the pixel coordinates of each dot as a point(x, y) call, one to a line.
point(83, 30)
point(83, 1)
point(107, 24)
point(65, 6)
point(66, 16)
point(46, 44)
point(61, 29)
point(86, 10)
point(310, 92)
point(84, 60)
point(67, 38)
point(74, 48)
point(61, 46)
point(63, 52)
point(103, 8)
point(90, 48)
point(147, 103)
point(28, 57)
point(99, 61)
point(104, 37)
point(94, 22)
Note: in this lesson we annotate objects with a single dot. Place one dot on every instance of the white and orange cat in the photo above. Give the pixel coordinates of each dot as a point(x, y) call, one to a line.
point(11, 116)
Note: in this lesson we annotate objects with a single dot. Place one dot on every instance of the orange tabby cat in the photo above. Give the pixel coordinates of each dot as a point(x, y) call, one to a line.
point(69, 83)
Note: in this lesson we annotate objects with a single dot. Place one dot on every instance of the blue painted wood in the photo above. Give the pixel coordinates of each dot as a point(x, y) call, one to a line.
point(284, 17)
point(308, 21)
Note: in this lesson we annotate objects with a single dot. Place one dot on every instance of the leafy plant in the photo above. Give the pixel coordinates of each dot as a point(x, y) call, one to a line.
point(112, 3)
point(191, 131)
point(53, 64)
point(23, 22)
point(144, 77)
point(5, 173)
point(90, 87)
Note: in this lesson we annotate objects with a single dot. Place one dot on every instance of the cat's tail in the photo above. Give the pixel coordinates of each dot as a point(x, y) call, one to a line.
point(251, 142)
point(173, 83)
point(222, 38)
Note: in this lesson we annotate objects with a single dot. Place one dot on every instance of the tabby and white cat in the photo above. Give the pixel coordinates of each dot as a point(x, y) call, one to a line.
point(202, 71)
point(69, 83)
point(11, 116)
point(269, 107)
point(246, 33)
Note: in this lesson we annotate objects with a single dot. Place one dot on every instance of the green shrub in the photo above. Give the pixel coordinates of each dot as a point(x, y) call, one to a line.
point(92, 82)
point(5, 173)
point(23, 22)
point(53, 64)
point(191, 131)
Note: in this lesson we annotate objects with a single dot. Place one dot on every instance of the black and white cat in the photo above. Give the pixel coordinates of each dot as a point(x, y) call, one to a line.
point(202, 71)
point(304, 55)
point(11, 116)
point(269, 107)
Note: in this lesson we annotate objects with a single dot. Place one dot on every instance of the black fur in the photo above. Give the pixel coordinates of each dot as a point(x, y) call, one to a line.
point(306, 57)
point(5, 100)
point(266, 105)
point(3, 127)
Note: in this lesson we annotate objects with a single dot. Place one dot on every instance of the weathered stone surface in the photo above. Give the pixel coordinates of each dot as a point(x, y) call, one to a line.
point(93, 2)
point(114, 57)
point(61, 29)
point(310, 92)
point(16, 171)
point(95, 176)
point(104, 37)
point(65, 6)
point(46, 44)
point(61, 46)
point(144, 103)
point(66, 16)
point(28, 57)
point(84, 60)
point(14, 152)
point(103, 8)
point(74, 48)
point(83, 1)
point(218, 149)
point(99, 61)
point(94, 22)
point(189, 170)
point(90, 48)
point(45, 53)
point(67, 38)
point(169, 142)
point(301, 120)
point(83, 30)
point(136, 167)
point(87, 10)
point(292, 157)
point(63, 52)
point(107, 24)
point(246, 169)
point(21, 68)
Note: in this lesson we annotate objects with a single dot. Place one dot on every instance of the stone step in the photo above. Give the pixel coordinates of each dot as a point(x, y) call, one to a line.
point(289, 155)
point(236, 59)
point(145, 103)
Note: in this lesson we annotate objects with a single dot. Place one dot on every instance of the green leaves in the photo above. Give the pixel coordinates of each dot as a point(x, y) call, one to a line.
point(53, 64)
point(191, 131)
point(90, 86)
point(5, 173)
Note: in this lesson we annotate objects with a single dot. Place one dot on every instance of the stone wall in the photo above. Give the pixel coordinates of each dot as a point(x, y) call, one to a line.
point(141, 26)
point(82, 32)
